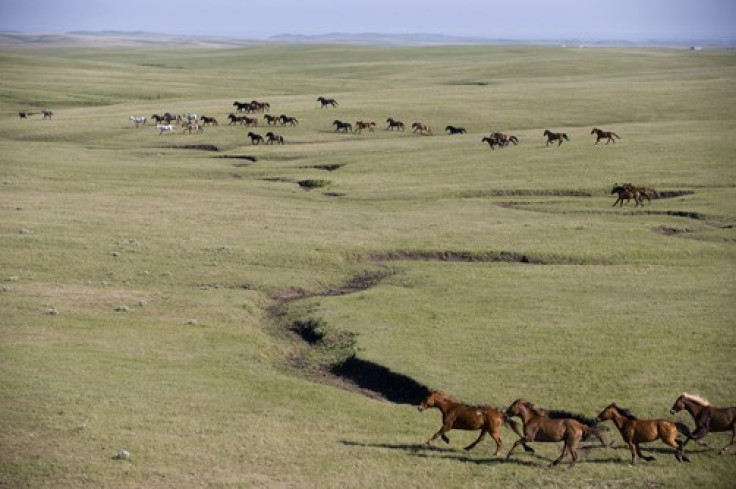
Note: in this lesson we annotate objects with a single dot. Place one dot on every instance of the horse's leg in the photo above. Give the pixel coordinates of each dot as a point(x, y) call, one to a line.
point(562, 454)
point(497, 439)
point(733, 439)
point(441, 432)
point(478, 440)
point(635, 450)
point(641, 455)
point(523, 440)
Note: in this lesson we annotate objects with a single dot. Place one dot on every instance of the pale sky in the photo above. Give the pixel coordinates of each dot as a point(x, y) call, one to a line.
point(515, 19)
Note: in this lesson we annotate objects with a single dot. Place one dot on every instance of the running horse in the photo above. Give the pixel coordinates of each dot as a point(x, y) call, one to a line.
point(360, 125)
point(607, 135)
point(707, 418)
point(635, 431)
point(626, 193)
point(505, 139)
point(542, 428)
point(555, 136)
point(455, 130)
point(644, 192)
point(456, 415)
point(394, 124)
point(342, 126)
point(421, 128)
point(327, 101)
point(274, 138)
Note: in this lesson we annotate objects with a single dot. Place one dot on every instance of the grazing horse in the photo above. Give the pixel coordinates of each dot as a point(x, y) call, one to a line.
point(138, 120)
point(47, 114)
point(342, 126)
point(492, 141)
point(255, 138)
point(360, 125)
point(626, 193)
point(542, 428)
point(421, 128)
point(456, 415)
point(635, 431)
point(327, 101)
point(607, 135)
point(555, 136)
point(455, 130)
point(284, 119)
point(707, 418)
point(162, 128)
point(208, 120)
point(274, 138)
point(394, 124)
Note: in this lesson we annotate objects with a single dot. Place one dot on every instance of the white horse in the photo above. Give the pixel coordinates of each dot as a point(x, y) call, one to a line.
point(162, 128)
point(194, 126)
point(189, 117)
point(138, 120)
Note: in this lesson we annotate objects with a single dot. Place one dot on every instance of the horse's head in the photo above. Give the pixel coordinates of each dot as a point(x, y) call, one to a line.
point(608, 413)
point(547, 131)
point(679, 405)
point(432, 400)
point(685, 398)
point(518, 408)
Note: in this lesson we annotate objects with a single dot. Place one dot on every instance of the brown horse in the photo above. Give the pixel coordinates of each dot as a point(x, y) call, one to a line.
point(541, 428)
point(422, 128)
point(492, 141)
point(360, 125)
point(555, 136)
point(327, 101)
point(707, 418)
point(505, 139)
point(635, 431)
point(607, 135)
point(644, 192)
point(626, 193)
point(456, 415)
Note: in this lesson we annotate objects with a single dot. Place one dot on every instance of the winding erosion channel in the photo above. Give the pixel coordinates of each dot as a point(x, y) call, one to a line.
point(376, 380)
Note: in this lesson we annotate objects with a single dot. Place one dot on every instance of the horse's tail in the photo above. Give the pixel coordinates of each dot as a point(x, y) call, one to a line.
point(616, 135)
point(564, 135)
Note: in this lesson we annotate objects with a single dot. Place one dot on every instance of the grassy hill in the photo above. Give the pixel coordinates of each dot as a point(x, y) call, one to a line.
point(188, 297)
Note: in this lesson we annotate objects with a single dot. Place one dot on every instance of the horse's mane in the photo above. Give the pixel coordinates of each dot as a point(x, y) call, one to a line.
point(696, 398)
point(626, 412)
point(559, 414)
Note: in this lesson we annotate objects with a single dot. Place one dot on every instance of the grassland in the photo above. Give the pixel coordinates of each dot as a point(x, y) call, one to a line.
point(149, 285)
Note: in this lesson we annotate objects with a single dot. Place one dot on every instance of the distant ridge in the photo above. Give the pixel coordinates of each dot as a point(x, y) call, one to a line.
point(141, 38)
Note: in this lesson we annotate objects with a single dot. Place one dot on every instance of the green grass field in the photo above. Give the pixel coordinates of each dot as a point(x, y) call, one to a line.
point(149, 284)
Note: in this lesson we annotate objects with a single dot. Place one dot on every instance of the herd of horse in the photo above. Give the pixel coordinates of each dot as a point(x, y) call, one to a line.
point(543, 425)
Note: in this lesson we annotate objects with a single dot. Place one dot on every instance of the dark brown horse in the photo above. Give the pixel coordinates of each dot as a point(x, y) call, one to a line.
point(327, 101)
point(287, 120)
point(394, 124)
point(341, 126)
point(492, 141)
point(635, 431)
point(455, 130)
point(626, 193)
point(555, 136)
point(707, 418)
point(459, 416)
point(255, 138)
point(208, 120)
point(541, 428)
point(607, 135)
point(274, 138)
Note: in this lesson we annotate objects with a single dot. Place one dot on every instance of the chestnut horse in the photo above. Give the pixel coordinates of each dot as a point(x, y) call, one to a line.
point(421, 127)
point(456, 415)
point(607, 135)
point(635, 431)
point(360, 125)
point(541, 428)
point(555, 136)
point(707, 418)
point(645, 192)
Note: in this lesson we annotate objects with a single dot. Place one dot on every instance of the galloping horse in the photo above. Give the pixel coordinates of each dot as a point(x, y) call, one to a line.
point(505, 139)
point(456, 415)
point(635, 431)
point(555, 136)
point(492, 141)
point(241, 106)
point(138, 120)
point(394, 124)
point(644, 192)
point(271, 120)
point(707, 418)
point(255, 138)
point(360, 125)
point(455, 130)
point(162, 128)
point(626, 193)
point(284, 119)
point(607, 135)
point(342, 126)
point(541, 428)
point(327, 101)
point(208, 120)
point(193, 126)
point(47, 114)
point(274, 138)
point(421, 128)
